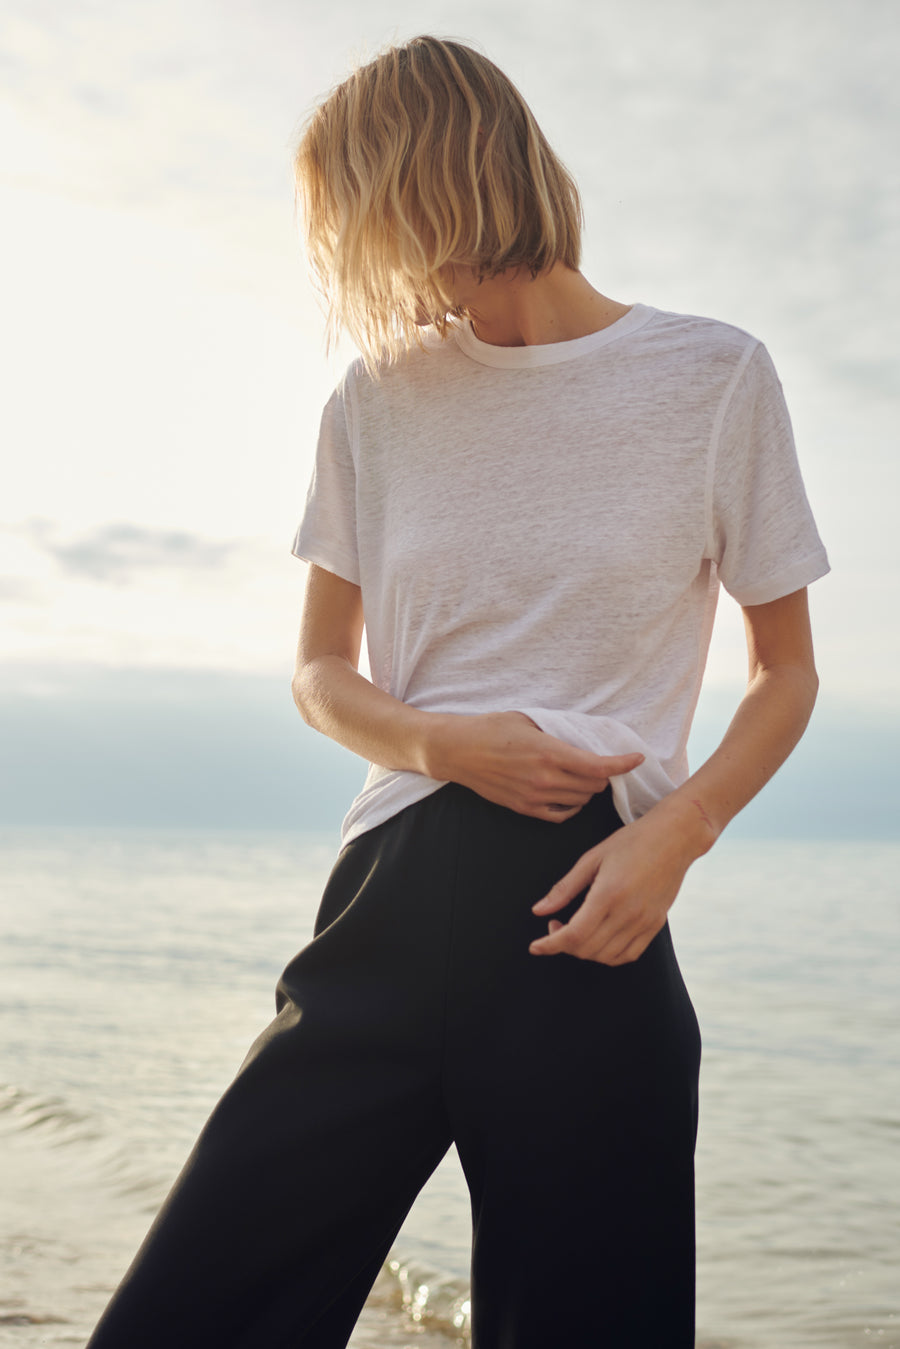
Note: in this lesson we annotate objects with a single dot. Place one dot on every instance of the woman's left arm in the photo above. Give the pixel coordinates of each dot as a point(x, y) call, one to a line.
point(633, 877)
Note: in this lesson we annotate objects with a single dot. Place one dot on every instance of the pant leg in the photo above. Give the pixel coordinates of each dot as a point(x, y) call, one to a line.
point(572, 1089)
point(276, 1228)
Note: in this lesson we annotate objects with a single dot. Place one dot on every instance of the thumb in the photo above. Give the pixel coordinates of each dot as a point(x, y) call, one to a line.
point(615, 764)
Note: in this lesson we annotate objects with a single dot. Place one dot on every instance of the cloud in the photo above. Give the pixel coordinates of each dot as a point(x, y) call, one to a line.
point(118, 553)
point(21, 590)
point(136, 591)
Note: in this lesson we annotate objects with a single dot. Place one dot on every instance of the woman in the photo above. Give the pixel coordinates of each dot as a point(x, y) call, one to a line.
point(529, 493)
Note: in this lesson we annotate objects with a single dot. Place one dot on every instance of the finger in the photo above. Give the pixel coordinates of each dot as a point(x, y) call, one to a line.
point(572, 884)
point(616, 764)
point(593, 766)
point(629, 955)
point(577, 937)
point(558, 784)
point(615, 953)
point(560, 800)
point(622, 945)
point(557, 940)
point(546, 946)
point(555, 814)
point(565, 790)
point(582, 770)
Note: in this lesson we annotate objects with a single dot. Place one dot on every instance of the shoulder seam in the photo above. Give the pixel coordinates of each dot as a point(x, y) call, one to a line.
point(351, 414)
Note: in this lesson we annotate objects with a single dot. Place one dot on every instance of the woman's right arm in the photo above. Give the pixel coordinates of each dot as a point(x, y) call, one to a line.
point(500, 755)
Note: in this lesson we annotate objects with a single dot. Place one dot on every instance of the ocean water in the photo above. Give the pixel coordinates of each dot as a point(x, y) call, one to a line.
point(137, 966)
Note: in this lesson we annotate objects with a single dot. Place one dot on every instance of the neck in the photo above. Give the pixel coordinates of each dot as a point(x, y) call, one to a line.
point(518, 310)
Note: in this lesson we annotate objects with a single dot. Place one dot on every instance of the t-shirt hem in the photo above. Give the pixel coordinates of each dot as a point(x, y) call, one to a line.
point(365, 814)
point(325, 557)
point(801, 574)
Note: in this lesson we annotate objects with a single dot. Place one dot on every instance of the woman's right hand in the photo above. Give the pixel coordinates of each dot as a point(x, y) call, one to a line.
point(507, 759)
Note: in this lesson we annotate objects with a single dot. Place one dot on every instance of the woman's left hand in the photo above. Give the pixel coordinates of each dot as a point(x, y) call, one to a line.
point(632, 879)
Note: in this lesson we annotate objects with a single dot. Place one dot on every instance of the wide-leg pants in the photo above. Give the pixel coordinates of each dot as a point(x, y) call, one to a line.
point(417, 1017)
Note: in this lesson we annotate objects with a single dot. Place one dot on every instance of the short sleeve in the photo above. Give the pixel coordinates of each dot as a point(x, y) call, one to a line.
point(763, 537)
point(327, 531)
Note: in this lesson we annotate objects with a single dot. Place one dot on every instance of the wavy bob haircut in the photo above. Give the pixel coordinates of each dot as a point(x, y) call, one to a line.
point(425, 159)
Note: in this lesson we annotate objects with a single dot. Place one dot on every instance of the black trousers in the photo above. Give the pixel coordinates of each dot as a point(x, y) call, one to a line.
point(417, 1017)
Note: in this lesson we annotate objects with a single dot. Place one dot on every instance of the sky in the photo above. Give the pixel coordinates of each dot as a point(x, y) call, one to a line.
point(165, 369)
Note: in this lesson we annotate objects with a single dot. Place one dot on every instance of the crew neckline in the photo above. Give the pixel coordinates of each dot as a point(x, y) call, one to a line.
point(550, 353)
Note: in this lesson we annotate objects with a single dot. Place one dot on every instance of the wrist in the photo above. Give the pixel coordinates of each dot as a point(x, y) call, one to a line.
point(689, 819)
point(435, 745)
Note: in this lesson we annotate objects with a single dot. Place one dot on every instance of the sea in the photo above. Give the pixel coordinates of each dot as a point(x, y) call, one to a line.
point(136, 966)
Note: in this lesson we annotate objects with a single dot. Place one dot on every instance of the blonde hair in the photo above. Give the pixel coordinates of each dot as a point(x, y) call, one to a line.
point(426, 158)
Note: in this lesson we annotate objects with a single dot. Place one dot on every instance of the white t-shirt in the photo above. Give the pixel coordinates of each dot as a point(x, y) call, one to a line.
point(543, 528)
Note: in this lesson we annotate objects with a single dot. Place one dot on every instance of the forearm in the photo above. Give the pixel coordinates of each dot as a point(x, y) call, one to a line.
point(502, 756)
point(337, 700)
point(769, 721)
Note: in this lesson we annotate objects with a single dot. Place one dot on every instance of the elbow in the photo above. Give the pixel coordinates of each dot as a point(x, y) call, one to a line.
point(794, 686)
point(806, 685)
point(810, 679)
point(810, 693)
point(813, 687)
point(300, 694)
point(800, 675)
point(314, 686)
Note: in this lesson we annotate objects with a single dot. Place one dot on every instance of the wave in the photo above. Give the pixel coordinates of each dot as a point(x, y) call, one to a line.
point(22, 1111)
point(427, 1298)
point(50, 1122)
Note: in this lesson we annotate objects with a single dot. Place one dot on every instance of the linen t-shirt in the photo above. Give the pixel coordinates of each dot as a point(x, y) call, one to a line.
point(544, 528)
